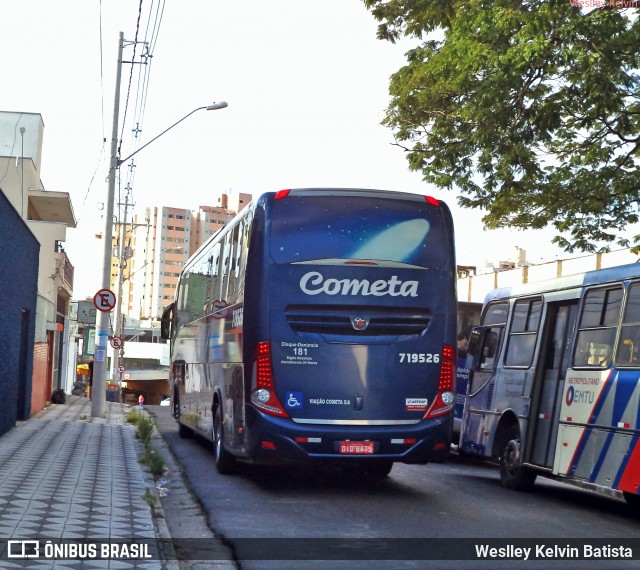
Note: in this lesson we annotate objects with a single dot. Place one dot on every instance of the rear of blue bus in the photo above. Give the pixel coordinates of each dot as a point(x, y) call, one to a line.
point(350, 340)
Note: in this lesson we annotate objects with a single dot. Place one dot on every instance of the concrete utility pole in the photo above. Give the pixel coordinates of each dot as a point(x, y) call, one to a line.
point(99, 388)
point(118, 326)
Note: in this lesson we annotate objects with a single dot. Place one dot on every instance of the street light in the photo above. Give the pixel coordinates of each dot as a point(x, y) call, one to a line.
point(212, 107)
point(98, 389)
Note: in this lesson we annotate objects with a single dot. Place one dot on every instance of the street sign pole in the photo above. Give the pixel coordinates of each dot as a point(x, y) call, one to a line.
point(99, 388)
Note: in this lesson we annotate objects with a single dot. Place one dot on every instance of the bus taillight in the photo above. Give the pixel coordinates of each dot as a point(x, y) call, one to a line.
point(282, 194)
point(447, 369)
point(445, 398)
point(264, 395)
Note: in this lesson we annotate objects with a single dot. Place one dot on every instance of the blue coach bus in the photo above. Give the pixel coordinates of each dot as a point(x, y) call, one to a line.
point(320, 325)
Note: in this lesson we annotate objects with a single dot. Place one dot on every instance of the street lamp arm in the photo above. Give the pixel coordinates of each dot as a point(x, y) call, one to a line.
point(212, 107)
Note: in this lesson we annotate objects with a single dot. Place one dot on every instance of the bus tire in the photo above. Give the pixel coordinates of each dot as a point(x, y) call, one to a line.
point(513, 475)
point(225, 462)
point(379, 469)
point(183, 431)
point(175, 408)
point(633, 501)
point(368, 470)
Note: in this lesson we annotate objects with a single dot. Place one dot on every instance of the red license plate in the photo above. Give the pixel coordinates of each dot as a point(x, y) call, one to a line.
point(356, 448)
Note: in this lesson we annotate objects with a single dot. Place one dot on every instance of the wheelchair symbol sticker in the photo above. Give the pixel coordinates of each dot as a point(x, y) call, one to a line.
point(293, 400)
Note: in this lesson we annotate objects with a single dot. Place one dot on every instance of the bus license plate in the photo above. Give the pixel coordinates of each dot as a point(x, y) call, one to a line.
point(356, 448)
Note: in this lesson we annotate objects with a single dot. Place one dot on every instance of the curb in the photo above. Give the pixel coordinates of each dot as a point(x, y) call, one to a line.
point(167, 513)
point(168, 557)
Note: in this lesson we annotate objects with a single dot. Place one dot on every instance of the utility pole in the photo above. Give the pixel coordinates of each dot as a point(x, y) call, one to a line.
point(98, 388)
point(118, 327)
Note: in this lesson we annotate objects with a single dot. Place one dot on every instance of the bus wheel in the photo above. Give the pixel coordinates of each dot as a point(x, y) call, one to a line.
point(369, 470)
point(633, 501)
point(513, 474)
point(183, 431)
point(380, 469)
point(225, 462)
point(175, 408)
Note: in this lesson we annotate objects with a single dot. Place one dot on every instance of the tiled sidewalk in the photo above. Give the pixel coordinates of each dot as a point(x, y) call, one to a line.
point(65, 475)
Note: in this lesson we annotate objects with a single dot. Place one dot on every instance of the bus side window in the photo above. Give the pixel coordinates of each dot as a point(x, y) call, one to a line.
point(628, 353)
point(482, 356)
point(598, 326)
point(490, 347)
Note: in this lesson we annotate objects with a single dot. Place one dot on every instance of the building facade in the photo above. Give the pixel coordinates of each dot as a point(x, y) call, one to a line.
point(18, 300)
point(474, 286)
point(157, 245)
point(162, 240)
point(47, 215)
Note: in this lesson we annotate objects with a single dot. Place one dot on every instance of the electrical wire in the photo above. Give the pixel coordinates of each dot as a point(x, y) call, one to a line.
point(104, 140)
point(126, 104)
point(149, 41)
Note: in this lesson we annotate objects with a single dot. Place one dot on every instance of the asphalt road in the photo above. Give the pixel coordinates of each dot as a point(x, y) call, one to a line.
point(442, 506)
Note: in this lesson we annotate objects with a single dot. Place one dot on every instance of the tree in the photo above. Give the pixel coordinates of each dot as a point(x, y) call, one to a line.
point(530, 109)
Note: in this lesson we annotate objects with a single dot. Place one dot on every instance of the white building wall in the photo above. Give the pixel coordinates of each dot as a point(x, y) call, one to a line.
point(20, 156)
point(47, 233)
point(476, 287)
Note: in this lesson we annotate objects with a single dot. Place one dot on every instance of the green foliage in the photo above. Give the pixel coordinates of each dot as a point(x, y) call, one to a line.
point(145, 426)
point(149, 498)
point(133, 416)
point(145, 430)
point(191, 419)
point(155, 462)
point(531, 109)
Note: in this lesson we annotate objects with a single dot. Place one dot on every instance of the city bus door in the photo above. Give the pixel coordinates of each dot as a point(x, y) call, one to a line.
point(554, 358)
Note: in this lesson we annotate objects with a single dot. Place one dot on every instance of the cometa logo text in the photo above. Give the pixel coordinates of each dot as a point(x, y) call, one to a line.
point(314, 283)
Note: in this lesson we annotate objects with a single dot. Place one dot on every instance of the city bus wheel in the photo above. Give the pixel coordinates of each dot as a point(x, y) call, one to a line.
point(513, 474)
point(225, 462)
point(633, 501)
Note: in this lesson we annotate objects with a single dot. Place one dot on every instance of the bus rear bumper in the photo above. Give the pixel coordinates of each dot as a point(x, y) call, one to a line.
point(275, 440)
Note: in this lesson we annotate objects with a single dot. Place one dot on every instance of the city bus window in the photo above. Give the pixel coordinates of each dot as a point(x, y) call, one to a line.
point(496, 314)
point(628, 353)
point(597, 329)
point(490, 348)
point(523, 333)
point(484, 349)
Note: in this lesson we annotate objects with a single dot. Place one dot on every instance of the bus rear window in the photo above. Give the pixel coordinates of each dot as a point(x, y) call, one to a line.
point(312, 228)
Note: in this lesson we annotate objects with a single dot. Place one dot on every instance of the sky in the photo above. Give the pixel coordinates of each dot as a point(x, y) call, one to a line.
point(306, 84)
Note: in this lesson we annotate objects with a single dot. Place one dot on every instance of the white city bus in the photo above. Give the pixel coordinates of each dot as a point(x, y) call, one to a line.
point(554, 387)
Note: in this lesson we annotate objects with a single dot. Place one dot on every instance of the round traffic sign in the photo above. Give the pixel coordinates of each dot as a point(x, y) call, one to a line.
point(121, 369)
point(116, 342)
point(104, 300)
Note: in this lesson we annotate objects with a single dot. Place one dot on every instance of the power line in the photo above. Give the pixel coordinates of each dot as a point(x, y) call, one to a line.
point(154, 20)
point(126, 105)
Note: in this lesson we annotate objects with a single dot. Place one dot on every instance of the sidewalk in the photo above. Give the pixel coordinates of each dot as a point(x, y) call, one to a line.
point(76, 481)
